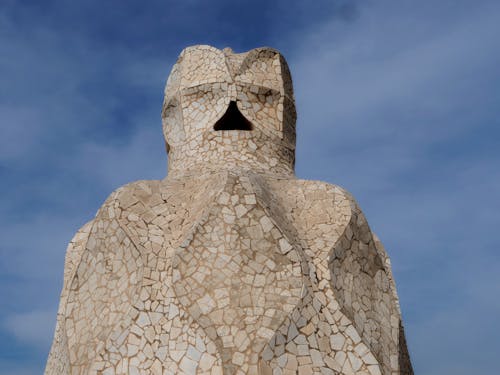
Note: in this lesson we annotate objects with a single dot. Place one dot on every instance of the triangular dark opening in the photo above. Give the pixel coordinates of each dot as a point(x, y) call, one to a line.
point(233, 120)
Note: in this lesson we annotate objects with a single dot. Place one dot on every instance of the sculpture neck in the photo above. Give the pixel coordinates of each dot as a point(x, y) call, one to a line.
point(232, 150)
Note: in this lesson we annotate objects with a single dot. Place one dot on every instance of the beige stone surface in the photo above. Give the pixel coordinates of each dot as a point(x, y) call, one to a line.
point(229, 265)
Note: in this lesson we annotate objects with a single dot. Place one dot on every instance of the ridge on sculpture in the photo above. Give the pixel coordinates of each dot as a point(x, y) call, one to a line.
point(229, 265)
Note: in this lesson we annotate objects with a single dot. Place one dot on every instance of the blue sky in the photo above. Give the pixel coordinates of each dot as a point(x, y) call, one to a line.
point(398, 102)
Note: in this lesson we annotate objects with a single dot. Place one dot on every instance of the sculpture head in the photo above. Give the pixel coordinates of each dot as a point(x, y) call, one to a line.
point(227, 110)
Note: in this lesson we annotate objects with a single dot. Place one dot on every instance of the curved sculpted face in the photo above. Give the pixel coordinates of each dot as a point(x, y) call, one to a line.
point(223, 108)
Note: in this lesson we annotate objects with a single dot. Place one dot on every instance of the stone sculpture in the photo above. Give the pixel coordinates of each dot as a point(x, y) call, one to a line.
point(229, 265)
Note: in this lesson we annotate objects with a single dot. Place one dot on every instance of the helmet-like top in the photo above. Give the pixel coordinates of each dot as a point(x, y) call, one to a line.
point(224, 110)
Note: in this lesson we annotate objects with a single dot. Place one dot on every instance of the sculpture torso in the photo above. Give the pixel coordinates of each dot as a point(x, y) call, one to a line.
point(230, 265)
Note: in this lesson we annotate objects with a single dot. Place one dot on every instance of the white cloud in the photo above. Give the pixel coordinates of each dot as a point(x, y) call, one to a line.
point(34, 327)
point(141, 157)
point(349, 76)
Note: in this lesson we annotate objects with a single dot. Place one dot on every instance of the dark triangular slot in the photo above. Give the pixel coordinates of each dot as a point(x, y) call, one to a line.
point(233, 120)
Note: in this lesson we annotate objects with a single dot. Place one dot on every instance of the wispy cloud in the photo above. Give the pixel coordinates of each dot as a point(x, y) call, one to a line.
point(34, 327)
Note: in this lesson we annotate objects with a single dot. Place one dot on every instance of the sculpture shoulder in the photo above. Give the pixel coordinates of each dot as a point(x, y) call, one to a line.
point(132, 193)
point(74, 251)
point(337, 200)
point(321, 212)
point(78, 241)
point(322, 197)
point(118, 201)
point(341, 207)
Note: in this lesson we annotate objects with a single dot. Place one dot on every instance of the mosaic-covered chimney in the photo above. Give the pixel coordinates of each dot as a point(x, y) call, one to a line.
point(229, 265)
